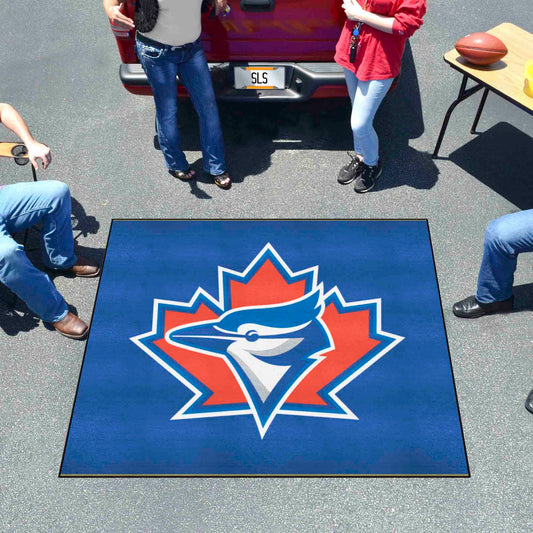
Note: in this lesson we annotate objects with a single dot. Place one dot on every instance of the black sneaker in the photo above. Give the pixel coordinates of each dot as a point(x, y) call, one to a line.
point(368, 177)
point(350, 171)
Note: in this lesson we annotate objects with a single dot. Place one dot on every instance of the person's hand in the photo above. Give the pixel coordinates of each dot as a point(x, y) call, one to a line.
point(118, 18)
point(220, 6)
point(36, 151)
point(353, 10)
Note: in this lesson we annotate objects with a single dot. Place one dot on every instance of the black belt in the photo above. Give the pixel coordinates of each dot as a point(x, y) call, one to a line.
point(152, 42)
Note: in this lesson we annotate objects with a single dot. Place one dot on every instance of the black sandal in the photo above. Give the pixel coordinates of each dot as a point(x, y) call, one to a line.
point(222, 180)
point(183, 175)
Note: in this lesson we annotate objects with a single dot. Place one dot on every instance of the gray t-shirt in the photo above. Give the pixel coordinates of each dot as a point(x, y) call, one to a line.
point(178, 23)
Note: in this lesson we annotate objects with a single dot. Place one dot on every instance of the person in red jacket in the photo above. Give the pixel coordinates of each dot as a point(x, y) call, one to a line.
point(370, 49)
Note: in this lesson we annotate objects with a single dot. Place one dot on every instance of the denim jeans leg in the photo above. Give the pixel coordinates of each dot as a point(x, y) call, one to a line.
point(16, 271)
point(351, 83)
point(195, 75)
point(23, 205)
point(161, 72)
point(505, 238)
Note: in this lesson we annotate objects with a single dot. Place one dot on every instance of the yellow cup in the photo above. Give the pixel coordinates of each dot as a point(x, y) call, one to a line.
point(528, 82)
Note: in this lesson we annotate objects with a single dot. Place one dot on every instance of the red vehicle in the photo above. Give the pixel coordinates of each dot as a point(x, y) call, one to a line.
point(264, 49)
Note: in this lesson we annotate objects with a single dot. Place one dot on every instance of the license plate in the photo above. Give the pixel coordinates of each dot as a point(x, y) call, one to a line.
point(259, 77)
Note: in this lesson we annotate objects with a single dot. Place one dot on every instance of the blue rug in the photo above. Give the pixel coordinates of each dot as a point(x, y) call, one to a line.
point(267, 347)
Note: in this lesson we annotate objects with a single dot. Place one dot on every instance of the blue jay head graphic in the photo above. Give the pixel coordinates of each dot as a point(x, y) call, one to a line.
point(268, 332)
point(268, 346)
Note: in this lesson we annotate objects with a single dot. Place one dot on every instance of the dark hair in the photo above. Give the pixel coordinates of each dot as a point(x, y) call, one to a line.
point(146, 12)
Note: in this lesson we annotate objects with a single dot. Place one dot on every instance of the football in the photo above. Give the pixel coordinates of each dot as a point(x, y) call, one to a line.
point(481, 48)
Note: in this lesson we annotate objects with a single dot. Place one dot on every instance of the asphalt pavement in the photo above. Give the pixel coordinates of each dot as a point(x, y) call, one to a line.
point(59, 68)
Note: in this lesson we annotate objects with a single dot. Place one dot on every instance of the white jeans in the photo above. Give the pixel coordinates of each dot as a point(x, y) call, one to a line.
point(366, 97)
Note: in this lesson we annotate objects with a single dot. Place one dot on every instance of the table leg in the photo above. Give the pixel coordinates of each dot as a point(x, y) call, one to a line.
point(480, 110)
point(27, 232)
point(464, 93)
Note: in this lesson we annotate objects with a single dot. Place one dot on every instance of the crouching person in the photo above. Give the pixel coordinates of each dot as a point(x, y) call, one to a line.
point(23, 205)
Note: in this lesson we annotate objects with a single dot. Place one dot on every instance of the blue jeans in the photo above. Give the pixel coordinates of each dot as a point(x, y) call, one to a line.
point(162, 65)
point(366, 96)
point(21, 206)
point(505, 238)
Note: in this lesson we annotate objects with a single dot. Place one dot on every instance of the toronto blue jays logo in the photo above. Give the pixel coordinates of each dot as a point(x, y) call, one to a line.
point(273, 343)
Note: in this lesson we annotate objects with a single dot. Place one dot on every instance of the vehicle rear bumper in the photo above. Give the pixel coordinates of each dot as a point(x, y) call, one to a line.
point(303, 81)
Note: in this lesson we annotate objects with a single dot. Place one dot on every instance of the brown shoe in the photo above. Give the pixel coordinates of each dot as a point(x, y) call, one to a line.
point(85, 268)
point(72, 327)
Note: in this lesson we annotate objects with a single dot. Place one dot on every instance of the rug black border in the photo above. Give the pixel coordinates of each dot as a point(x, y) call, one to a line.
point(187, 476)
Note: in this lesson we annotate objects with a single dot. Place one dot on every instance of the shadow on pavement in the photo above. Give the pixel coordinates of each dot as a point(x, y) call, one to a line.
point(81, 222)
point(502, 159)
point(15, 320)
point(398, 120)
point(254, 131)
point(523, 297)
point(15, 316)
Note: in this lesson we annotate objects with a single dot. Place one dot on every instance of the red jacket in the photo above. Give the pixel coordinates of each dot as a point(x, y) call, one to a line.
point(379, 54)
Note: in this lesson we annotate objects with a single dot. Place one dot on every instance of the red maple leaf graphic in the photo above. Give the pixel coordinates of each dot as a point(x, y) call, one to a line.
point(349, 331)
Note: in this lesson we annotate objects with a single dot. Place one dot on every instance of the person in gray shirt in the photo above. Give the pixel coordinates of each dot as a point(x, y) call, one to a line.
point(168, 45)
